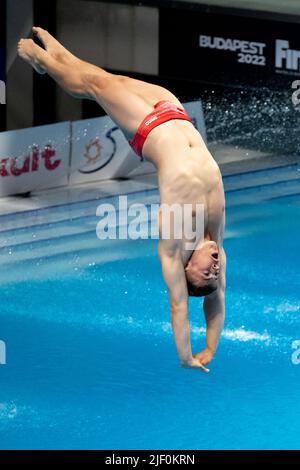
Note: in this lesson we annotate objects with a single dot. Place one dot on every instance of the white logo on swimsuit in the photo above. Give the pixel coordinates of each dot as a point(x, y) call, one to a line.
point(150, 120)
point(248, 52)
point(286, 58)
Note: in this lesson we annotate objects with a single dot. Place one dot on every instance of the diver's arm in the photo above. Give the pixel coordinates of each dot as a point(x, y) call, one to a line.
point(174, 276)
point(214, 311)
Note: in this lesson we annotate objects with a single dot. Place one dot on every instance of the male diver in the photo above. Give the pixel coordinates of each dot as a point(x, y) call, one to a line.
point(158, 129)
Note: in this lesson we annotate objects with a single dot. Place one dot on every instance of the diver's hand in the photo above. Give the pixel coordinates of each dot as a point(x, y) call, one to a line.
point(204, 357)
point(194, 363)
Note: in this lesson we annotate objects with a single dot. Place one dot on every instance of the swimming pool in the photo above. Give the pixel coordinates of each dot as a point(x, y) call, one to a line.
point(91, 362)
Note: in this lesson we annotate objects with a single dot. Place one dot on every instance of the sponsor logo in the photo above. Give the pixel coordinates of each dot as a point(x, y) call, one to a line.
point(99, 154)
point(286, 58)
point(93, 151)
point(248, 52)
point(17, 166)
point(2, 92)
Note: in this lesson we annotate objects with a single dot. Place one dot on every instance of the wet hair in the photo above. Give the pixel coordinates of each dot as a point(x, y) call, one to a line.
point(198, 284)
point(200, 291)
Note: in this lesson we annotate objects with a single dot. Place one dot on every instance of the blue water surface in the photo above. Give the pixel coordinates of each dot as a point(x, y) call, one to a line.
point(91, 362)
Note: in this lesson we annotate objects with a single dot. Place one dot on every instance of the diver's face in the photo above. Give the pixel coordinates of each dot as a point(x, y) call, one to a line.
point(204, 263)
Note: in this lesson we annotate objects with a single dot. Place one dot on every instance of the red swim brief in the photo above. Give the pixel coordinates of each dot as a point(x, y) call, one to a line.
point(163, 112)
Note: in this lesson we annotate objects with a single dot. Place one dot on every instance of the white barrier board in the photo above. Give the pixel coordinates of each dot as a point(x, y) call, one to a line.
point(99, 151)
point(39, 157)
point(34, 159)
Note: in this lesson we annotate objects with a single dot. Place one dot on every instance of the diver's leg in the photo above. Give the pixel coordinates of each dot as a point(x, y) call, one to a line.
point(125, 99)
point(54, 47)
point(75, 79)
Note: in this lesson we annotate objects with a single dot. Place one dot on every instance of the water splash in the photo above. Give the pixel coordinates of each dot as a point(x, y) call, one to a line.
point(8, 411)
point(239, 334)
point(257, 119)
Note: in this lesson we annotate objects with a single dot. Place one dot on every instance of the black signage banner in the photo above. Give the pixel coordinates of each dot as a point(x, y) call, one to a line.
point(228, 49)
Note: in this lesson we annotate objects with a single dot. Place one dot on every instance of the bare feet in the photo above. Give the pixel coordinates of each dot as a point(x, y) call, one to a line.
point(54, 47)
point(29, 51)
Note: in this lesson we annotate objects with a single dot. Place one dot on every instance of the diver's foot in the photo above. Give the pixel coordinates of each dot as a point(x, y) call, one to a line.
point(54, 47)
point(28, 51)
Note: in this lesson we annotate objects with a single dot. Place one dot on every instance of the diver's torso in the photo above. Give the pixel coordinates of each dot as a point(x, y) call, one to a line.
point(187, 172)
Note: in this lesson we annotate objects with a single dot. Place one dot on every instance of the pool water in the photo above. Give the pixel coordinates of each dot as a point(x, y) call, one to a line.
point(91, 362)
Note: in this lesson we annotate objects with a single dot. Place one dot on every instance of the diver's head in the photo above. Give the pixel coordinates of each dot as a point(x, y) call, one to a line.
point(203, 269)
